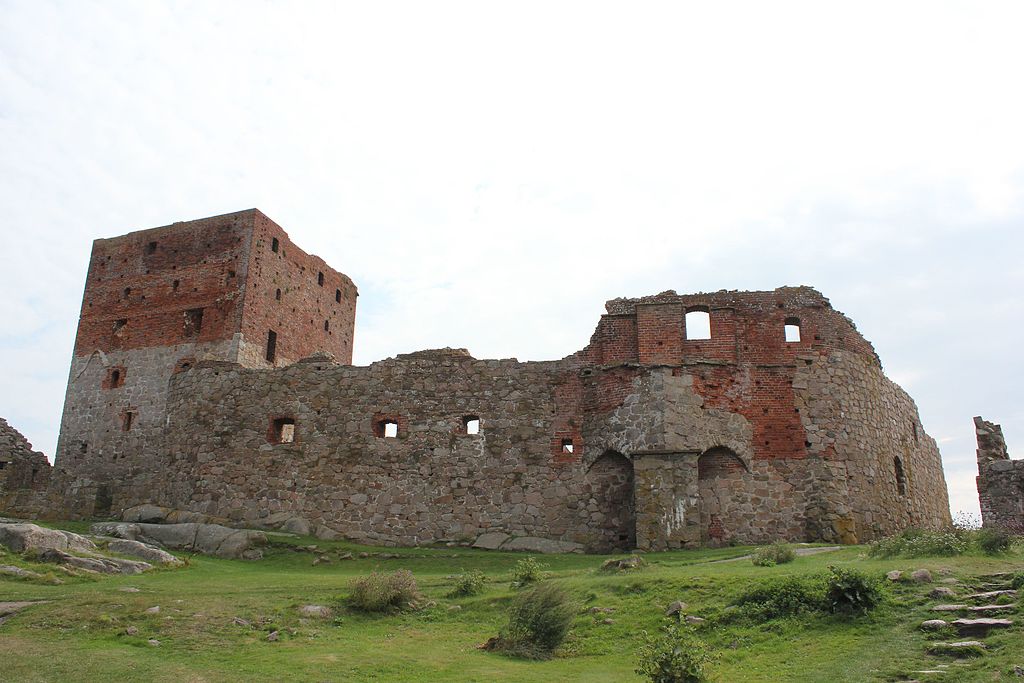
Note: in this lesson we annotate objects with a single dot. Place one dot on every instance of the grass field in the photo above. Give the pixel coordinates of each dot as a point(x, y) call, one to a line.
point(215, 616)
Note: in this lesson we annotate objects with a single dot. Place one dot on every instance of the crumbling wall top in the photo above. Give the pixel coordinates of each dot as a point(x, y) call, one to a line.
point(991, 444)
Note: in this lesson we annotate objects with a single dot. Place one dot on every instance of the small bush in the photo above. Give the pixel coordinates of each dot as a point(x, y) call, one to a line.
point(674, 657)
point(538, 622)
point(993, 540)
point(467, 584)
point(771, 555)
point(527, 570)
point(848, 590)
point(1017, 582)
point(782, 598)
point(379, 592)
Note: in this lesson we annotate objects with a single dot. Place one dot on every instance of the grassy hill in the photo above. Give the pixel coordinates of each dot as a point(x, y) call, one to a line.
point(215, 617)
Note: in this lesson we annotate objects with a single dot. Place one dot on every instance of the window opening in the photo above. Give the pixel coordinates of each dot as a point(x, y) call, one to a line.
point(119, 325)
point(2, 464)
point(274, 244)
point(337, 295)
point(127, 292)
point(151, 248)
point(320, 279)
point(175, 285)
point(283, 430)
point(567, 446)
point(698, 324)
point(271, 346)
point(327, 326)
point(386, 428)
point(277, 295)
point(792, 329)
point(127, 420)
point(390, 430)
point(193, 322)
point(471, 423)
point(901, 478)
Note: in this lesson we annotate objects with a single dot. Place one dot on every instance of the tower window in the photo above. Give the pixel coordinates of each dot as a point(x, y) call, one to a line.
point(337, 295)
point(271, 346)
point(282, 430)
point(567, 446)
point(115, 378)
point(385, 428)
point(119, 326)
point(193, 322)
point(792, 330)
point(151, 248)
point(175, 285)
point(320, 279)
point(127, 292)
point(277, 295)
point(698, 323)
point(274, 245)
point(327, 326)
point(471, 424)
point(127, 419)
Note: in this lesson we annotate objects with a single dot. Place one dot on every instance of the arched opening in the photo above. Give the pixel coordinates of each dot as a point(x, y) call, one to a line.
point(611, 509)
point(722, 484)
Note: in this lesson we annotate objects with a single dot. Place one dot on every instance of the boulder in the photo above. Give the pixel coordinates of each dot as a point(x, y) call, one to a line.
point(143, 552)
point(623, 564)
point(327, 534)
point(676, 608)
point(317, 611)
point(298, 526)
point(18, 572)
point(894, 575)
point(149, 514)
point(932, 624)
point(921, 576)
point(992, 594)
point(94, 563)
point(964, 648)
point(534, 544)
point(24, 536)
point(492, 540)
point(941, 592)
point(208, 539)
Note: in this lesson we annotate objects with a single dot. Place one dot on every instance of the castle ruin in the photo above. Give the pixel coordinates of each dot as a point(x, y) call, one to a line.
point(212, 373)
point(1000, 480)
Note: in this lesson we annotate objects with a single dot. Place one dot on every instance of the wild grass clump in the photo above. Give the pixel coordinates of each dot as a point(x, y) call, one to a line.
point(771, 555)
point(538, 622)
point(527, 571)
point(850, 591)
point(676, 656)
point(1017, 582)
point(785, 597)
point(470, 583)
point(379, 592)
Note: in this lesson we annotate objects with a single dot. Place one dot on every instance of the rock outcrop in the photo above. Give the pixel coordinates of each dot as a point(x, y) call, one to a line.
point(208, 539)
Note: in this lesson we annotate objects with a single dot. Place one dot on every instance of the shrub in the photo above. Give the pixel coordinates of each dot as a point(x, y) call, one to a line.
point(848, 590)
point(783, 598)
point(380, 592)
point(993, 540)
point(470, 583)
point(921, 543)
point(527, 570)
point(771, 555)
point(1017, 582)
point(538, 622)
point(674, 657)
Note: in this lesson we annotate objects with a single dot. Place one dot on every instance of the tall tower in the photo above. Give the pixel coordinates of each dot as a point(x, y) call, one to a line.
point(231, 288)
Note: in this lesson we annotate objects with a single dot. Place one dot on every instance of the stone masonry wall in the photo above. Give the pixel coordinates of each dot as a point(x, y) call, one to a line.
point(1000, 479)
point(24, 474)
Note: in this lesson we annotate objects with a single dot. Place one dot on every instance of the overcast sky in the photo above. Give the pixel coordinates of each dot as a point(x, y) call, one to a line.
point(490, 173)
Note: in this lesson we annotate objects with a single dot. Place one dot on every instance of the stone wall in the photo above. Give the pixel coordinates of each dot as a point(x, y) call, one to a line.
point(808, 441)
point(1000, 480)
point(24, 474)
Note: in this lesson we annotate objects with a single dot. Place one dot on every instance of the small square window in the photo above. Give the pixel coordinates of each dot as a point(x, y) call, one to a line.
point(567, 446)
point(282, 430)
point(471, 424)
point(151, 248)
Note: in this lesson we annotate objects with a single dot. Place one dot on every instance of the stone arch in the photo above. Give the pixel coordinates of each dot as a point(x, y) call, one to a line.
point(611, 506)
point(722, 485)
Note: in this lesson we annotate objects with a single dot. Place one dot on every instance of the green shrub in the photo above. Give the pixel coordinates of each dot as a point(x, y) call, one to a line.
point(380, 592)
point(1017, 582)
point(993, 540)
point(771, 555)
point(674, 657)
point(922, 543)
point(467, 584)
point(848, 590)
point(538, 622)
point(782, 598)
point(527, 570)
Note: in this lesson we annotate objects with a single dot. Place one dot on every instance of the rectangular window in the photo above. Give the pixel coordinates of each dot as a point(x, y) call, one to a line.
point(567, 446)
point(282, 430)
point(151, 248)
point(126, 420)
point(320, 279)
point(337, 295)
point(274, 244)
point(271, 346)
point(193, 322)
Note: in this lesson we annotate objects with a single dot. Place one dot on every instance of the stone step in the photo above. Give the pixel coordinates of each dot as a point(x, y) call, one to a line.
point(979, 627)
point(992, 609)
point(949, 608)
point(992, 594)
point(958, 649)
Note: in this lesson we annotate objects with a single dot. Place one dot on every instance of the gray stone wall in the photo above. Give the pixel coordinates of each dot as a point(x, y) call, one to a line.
point(24, 474)
point(1000, 479)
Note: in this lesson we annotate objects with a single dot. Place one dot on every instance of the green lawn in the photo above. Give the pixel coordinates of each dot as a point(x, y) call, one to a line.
point(79, 634)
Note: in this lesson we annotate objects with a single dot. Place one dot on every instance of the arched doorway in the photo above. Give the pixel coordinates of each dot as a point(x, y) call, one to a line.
point(721, 478)
point(611, 507)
